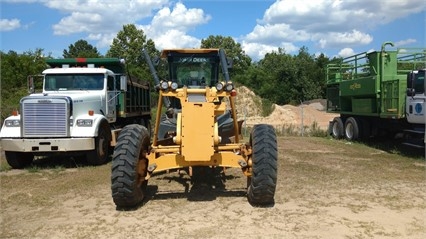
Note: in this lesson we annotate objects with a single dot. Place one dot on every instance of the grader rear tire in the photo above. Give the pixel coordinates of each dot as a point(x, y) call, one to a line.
point(129, 166)
point(262, 183)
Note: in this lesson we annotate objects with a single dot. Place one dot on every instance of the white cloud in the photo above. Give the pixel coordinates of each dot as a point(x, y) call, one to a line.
point(100, 17)
point(257, 51)
point(346, 52)
point(176, 39)
point(327, 23)
point(9, 24)
point(340, 39)
point(169, 27)
point(405, 42)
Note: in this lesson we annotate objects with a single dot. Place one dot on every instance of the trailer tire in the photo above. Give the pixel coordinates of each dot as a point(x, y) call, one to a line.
point(100, 154)
point(263, 181)
point(128, 185)
point(351, 129)
point(337, 128)
point(18, 160)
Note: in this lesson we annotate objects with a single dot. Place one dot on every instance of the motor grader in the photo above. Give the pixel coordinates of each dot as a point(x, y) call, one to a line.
point(196, 126)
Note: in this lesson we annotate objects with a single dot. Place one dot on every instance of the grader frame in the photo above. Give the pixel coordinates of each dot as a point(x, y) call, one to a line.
point(199, 128)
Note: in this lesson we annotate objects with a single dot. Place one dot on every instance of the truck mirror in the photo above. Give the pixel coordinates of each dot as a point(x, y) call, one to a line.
point(30, 83)
point(411, 92)
point(123, 83)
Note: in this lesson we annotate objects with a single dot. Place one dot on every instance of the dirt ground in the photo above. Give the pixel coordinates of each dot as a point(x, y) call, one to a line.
point(325, 189)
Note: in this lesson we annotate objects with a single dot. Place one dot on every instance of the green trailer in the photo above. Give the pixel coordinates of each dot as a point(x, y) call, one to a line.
point(378, 92)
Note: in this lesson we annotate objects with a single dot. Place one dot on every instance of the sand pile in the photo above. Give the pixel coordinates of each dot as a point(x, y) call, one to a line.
point(249, 108)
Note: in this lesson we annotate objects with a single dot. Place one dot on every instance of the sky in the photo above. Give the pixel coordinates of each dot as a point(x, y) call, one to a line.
point(333, 27)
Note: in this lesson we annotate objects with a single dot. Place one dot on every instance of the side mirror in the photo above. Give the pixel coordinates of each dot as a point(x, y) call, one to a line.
point(30, 84)
point(123, 83)
point(411, 92)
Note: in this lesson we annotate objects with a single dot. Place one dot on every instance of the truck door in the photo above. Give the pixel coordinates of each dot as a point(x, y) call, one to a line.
point(112, 94)
point(415, 106)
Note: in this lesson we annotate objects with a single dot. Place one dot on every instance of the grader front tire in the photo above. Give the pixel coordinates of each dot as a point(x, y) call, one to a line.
point(262, 183)
point(129, 165)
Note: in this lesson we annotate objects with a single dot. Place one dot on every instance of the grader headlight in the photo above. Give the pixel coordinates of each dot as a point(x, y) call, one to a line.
point(219, 86)
point(174, 85)
point(229, 87)
point(164, 85)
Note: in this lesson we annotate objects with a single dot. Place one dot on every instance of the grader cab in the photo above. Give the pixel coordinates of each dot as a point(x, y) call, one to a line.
point(198, 127)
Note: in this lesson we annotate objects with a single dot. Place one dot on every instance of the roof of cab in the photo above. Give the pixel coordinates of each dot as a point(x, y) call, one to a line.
point(166, 52)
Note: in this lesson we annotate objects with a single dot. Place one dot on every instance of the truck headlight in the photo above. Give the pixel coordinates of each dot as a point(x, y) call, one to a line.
point(84, 122)
point(12, 123)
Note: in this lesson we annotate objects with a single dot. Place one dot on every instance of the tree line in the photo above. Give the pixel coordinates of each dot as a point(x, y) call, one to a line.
point(279, 77)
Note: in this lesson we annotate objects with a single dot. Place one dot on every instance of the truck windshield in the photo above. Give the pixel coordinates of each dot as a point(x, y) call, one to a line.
point(194, 71)
point(64, 82)
point(419, 80)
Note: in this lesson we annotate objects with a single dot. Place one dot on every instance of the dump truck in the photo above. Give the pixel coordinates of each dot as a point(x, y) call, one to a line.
point(84, 104)
point(379, 93)
point(196, 127)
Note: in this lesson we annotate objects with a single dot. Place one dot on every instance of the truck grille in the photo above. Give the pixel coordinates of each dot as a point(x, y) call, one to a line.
point(45, 118)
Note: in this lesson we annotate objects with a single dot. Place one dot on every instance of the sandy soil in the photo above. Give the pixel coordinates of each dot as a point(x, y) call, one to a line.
point(248, 106)
point(323, 191)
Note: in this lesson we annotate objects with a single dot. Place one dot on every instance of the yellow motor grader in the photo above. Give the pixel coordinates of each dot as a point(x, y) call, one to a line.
point(198, 128)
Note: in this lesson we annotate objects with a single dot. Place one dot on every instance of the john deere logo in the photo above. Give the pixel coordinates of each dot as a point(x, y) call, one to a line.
point(355, 86)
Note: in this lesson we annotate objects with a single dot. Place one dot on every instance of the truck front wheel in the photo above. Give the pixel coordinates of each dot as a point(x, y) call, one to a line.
point(100, 154)
point(18, 160)
point(129, 166)
point(262, 183)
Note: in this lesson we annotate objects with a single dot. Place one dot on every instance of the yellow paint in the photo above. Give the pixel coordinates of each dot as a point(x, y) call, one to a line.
point(197, 142)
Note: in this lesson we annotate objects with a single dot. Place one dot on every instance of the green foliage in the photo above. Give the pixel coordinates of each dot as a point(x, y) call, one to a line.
point(15, 69)
point(233, 50)
point(81, 48)
point(128, 44)
point(287, 79)
point(267, 107)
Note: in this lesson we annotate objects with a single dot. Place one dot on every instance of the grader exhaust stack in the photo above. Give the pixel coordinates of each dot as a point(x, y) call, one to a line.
point(199, 128)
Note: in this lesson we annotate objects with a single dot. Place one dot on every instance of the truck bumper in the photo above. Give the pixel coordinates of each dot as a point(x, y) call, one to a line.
point(47, 145)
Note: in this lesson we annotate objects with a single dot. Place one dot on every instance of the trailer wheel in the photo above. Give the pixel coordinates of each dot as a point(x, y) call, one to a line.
point(351, 129)
point(100, 154)
point(129, 166)
point(18, 160)
point(263, 181)
point(337, 128)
